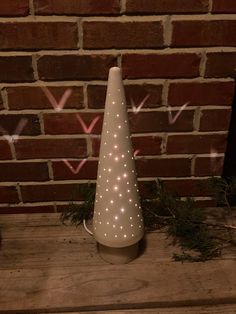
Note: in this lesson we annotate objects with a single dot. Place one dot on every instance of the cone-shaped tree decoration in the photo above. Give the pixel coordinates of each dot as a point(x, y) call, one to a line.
point(118, 221)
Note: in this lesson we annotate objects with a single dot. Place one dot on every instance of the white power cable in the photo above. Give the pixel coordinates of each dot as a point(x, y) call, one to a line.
point(86, 228)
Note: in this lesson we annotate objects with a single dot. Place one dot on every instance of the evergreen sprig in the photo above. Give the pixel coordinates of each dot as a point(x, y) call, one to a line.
point(181, 219)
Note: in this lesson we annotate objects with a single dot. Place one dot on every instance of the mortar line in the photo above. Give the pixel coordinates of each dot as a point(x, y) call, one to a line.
point(4, 98)
point(31, 8)
point(35, 66)
point(19, 193)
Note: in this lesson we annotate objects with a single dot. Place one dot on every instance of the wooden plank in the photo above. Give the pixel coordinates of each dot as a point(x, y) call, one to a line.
point(45, 272)
point(104, 286)
point(221, 309)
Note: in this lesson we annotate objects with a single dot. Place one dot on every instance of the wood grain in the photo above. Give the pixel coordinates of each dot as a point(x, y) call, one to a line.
point(47, 267)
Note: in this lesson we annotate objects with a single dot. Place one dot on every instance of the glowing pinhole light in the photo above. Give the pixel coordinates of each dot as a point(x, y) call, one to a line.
point(116, 188)
point(116, 158)
point(131, 226)
point(108, 223)
point(117, 115)
point(115, 235)
point(116, 217)
point(105, 234)
point(109, 170)
point(111, 201)
point(120, 195)
point(125, 236)
point(121, 227)
point(115, 135)
point(128, 191)
point(123, 156)
point(107, 190)
point(106, 209)
point(113, 226)
point(118, 178)
point(125, 175)
point(130, 200)
point(115, 146)
point(122, 209)
point(119, 126)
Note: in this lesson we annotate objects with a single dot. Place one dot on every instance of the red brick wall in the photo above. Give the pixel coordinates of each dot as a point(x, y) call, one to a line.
point(175, 51)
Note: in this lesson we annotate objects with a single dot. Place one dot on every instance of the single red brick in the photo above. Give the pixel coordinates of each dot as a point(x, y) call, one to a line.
point(51, 148)
point(135, 92)
point(27, 171)
point(203, 203)
point(221, 64)
point(8, 194)
point(51, 192)
point(26, 209)
point(147, 145)
point(88, 171)
point(77, 7)
point(188, 187)
point(171, 65)
point(14, 8)
point(196, 144)
point(204, 33)
point(163, 6)
point(68, 123)
point(12, 121)
point(59, 35)
point(30, 97)
point(147, 189)
point(75, 67)
point(165, 167)
point(5, 151)
point(222, 6)
point(208, 166)
point(157, 121)
point(122, 35)
point(16, 69)
point(196, 93)
point(215, 120)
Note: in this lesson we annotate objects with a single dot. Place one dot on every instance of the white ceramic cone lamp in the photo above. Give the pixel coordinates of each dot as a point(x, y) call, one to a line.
point(117, 222)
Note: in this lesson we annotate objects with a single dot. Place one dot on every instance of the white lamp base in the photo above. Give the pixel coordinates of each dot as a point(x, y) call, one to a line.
point(122, 255)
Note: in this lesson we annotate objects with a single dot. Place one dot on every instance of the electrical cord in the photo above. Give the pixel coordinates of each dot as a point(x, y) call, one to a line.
point(86, 228)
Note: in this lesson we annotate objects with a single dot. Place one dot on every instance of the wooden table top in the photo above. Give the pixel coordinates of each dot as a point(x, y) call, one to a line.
point(46, 267)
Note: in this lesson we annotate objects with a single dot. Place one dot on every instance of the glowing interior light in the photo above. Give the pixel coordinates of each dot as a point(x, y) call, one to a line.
point(115, 146)
point(131, 226)
point(111, 201)
point(127, 182)
point(116, 217)
point(110, 154)
point(128, 191)
point(107, 190)
point(119, 126)
point(104, 157)
point(132, 235)
point(105, 143)
point(128, 151)
point(125, 175)
point(122, 209)
point(99, 177)
point(107, 180)
point(135, 184)
point(109, 170)
point(104, 169)
point(107, 222)
point(107, 132)
point(125, 236)
point(130, 200)
point(115, 235)
point(116, 158)
point(115, 135)
point(130, 218)
point(117, 115)
point(113, 103)
point(100, 222)
point(105, 234)
point(100, 196)
point(118, 178)
point(123, 156)
point(116, 188)
point(120, 195)
point(132, 170)
point(136, 205)
point(138, 215)
point(121, 227)
point(113, 226)
point(125, 165)
point(107, 209)
point(99, 213)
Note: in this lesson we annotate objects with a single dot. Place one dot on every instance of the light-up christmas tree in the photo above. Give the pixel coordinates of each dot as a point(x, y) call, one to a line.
point(118, 222)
